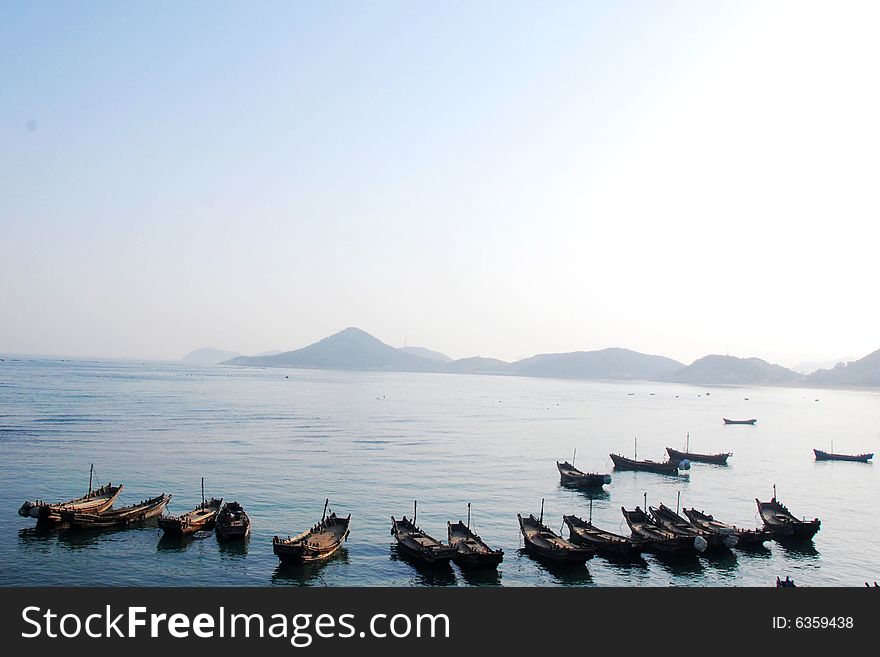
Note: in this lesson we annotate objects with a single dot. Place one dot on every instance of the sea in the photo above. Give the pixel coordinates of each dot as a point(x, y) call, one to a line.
point(282, 441)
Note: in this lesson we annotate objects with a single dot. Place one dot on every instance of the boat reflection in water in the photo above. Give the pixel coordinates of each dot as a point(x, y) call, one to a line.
point(309, 573)
point(426, 573)
point(562, 573)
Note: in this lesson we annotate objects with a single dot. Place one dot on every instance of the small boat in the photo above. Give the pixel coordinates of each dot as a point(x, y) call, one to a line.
point(656, 538)
point(786, 583)
point(829, 456)
point(745, 537)
point(95, 501)
point(670, 520)
point(693, 457)
point(571, 476)
point(232, 522)
point(726, 421)
point(782, 523)
point(667, 467)
point(116, 518)
point(586, 534)
point(541, 542)
point(202, 518)
point(471, 549)
point(413, 542)
point(316, 544)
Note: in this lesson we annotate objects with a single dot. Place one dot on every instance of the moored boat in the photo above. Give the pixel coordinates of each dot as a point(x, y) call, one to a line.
point(672, 521)
point(95, 501)
point(586, 534)
point(782, 523)
point(541, 542)
point(116, 518)
point(656, 538)
point(318, 543)
point(471, 550)
point(232, 522)
point(571, 476)
point(666, 467)
point(414, 543)
point(727, 421)
point(745, 538)
point(830, 456)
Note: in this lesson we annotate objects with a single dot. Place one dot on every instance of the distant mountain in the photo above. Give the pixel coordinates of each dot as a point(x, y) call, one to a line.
point(421, 352)
point(733, 371)
point(613, 363)
point(810, 367)
point(209, 356)
point(350, 349)
point(478, 365)
point(271, 352)
point(862, 372)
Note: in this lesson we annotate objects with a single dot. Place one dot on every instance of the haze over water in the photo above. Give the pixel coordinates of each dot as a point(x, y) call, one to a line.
point(280, 441)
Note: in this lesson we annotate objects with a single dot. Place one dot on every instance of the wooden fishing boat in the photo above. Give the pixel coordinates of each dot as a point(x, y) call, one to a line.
point(829, 456)
point(414, 543)
point(727, 421)
point(586, 534)
point(717, 459)
point(471, 550)
point(541, 542)
point(94, 501)
point(117, 518)
point(656, 538)
point(202, 518)
point(669, 519)
point(745, 538)
point(782, 523)
point(666, 467)
point(318, 543)
point(232, 522)
point(571, 476)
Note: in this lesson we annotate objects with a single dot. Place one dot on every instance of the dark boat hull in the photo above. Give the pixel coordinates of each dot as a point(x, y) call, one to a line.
point(121, 518)
point(471, 550)
point(601, 542)
point(782, 524)
point(319, 543)
point(571, 476)
point(623, 463)
point(412, 543)
point(715, 459)
point(199, 519)
point(232, 522)
point(557, 550)
point(726, 421)
point(829, 456)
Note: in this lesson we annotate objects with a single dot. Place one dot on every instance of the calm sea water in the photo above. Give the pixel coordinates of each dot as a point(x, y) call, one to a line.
point(280, 441)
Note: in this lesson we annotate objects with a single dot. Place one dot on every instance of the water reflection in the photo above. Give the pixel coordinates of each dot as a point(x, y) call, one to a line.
point(480, 576)
point(306, 574)
point(721, 559)
point(565, 574)
point(678, 564)
point(428, 574)
point(39, 536)
point(798, 549)
point(234, 548)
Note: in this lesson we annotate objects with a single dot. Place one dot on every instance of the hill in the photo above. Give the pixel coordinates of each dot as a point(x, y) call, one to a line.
point(733, 371)
point(478, 365)
point(209, 356)
point(350, 349)
point(862, 372)
point(613, 363)
point(421, 352)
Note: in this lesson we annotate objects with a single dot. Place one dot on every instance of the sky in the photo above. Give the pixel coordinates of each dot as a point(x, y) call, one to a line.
point(481, 178)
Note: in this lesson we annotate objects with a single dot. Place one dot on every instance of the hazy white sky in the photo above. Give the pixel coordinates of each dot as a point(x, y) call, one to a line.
point(493, 178)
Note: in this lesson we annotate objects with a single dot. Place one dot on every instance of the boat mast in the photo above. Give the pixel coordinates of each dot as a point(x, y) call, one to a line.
point(576, 451)
point(591, 509)
point(541, 520)
point(203, 492)
point(415, 510)
point(678, 503)
point(324, 515)
point(774, 492)
point(91, 471)
point(687, 445)
point(469, 516)
point(635, 448)
point(646, 502)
